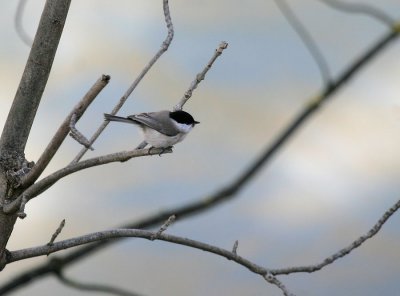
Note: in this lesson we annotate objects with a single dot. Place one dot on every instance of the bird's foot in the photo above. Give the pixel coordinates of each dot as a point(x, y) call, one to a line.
point(163, 149)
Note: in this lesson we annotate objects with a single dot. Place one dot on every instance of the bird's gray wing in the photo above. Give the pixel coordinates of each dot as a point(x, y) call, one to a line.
point(148, 119)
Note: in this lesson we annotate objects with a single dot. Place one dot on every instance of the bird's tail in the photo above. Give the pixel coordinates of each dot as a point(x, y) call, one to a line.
point(110, 117)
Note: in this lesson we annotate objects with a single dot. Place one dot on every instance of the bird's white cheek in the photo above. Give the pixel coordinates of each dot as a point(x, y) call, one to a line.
point(183, 128)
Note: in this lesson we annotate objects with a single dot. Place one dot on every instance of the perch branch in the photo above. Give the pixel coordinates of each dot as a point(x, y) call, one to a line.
point(48, 181)
point(93, 287)
point(23, 35)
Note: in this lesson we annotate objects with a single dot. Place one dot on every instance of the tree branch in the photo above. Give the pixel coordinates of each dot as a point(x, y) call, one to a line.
point(93, 287)
point(343, 252)
point(150, 235)
point(307, 40)
point(362, 8)
point(63, 131)
point(200, 76)
point(37, 70)
point(164, 48)
point(48, 181)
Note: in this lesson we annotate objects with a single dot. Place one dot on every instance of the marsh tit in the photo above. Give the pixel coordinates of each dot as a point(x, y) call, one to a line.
point(161, 129)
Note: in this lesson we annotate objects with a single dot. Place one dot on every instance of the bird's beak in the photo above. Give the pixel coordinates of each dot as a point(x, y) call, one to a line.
point(196, 122)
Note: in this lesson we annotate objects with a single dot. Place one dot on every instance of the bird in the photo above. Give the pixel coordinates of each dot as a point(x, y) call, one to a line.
point(162, 129)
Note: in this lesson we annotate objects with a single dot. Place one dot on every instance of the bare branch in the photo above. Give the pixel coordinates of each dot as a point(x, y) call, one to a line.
point(56, 233)
point(341, 253)
point(235, 246)
point(164, 227)
point(307, 40)
point(77, 135)
point(48, 181)
point(63, 130)
point(200, 76)
point(34, 79)
point(273, 280)
point(93, 287)
point(119, 233)
point(362, 8)
point(164, 48)
point(26, 39)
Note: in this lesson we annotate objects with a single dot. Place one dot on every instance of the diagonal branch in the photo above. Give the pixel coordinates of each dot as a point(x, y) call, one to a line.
point(343, 252)
point(63, 130)
point(26, 39)
point(164, 48)
point(362, 8)
point(307, 40)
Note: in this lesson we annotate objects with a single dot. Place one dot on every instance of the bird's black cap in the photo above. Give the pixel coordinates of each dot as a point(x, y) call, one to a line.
point(183, 117)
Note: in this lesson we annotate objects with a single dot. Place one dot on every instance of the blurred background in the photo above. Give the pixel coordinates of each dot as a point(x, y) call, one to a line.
point(327, 186)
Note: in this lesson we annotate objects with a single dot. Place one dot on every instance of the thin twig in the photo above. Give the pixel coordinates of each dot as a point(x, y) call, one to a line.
point(56, 233)
point(200, 76)
point(164, 227)
point(63, 130)
point(273, 280)
point(77, 135)
point(93, 287)
point(26, 39)
point(341, 253)
point(164, 48)
point(48, 181)
point(235, 246)
point(362, 8)
point(307, 40)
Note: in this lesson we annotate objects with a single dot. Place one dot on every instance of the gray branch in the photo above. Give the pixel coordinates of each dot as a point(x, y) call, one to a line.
point(63, 130)
point(362, 8)
point(343, 252)
point(48, 181)
point(200, 76)
point(93, 287)
point(150, 235)
point(26, 39)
